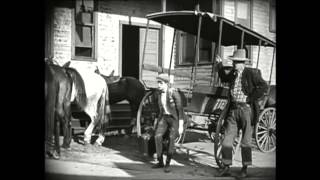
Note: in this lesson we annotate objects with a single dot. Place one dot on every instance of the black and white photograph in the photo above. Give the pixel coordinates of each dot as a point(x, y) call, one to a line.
point(160, 89)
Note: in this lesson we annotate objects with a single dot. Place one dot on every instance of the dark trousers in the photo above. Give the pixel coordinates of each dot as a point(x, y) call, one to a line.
point(238, 116)
point(166, 123)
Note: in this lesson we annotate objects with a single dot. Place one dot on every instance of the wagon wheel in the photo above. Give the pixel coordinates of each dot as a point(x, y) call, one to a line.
point(147, 112)
point(218, 139)
point(266, 130)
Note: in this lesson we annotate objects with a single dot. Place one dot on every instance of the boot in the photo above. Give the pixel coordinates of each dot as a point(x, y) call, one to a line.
point(159, 164)
point(167, 166)
point(224, 171)
point(243, 172)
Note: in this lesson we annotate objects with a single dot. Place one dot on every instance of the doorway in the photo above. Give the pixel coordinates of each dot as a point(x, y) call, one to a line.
point(130, 50)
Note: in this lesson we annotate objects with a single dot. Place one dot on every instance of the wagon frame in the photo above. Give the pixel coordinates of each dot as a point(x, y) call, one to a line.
point(225, 33)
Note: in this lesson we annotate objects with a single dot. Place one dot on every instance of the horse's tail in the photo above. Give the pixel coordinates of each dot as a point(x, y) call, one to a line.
point(81, 96)
point(107, 110)
point(104, 112)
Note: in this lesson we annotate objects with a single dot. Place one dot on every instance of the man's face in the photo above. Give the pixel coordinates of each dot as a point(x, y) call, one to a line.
point(239, 65)
point(162, 86)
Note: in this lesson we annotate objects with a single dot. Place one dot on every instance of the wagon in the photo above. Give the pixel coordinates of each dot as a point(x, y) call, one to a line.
point(211, 101)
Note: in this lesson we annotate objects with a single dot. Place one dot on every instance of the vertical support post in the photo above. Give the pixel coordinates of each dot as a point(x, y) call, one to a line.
point(220, 36)
point(196, 59)
point(274, 50)
point(217, 52)
point(144, 49)
point(197, 49)
point(242, 39)
point(173, 40)
point(258, 54)
point(164, 5)
point(162, 31)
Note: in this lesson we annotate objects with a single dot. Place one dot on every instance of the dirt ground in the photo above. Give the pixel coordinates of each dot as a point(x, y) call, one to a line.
point(120, 158)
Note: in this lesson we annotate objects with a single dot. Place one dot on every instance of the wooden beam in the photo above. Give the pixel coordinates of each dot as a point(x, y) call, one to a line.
point(174, 72)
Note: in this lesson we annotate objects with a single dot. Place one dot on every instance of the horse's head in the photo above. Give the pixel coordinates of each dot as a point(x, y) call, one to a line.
point(97, 70)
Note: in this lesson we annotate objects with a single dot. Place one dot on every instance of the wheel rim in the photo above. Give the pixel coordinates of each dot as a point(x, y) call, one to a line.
point(147, 111)
point(218, 139)
point(266, 130)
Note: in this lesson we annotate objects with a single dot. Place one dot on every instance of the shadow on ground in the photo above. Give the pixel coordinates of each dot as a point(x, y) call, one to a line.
point(184, 167)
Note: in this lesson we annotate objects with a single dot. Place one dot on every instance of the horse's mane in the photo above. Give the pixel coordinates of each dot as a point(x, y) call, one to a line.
point(81, 97)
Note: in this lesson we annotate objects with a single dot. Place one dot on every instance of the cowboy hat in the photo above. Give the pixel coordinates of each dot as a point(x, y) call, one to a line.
point(163, 77)
point(227, 63)
point(239, 55)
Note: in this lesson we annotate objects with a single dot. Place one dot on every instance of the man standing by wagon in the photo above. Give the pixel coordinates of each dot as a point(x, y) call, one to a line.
point(247, 86)
point(171, 117)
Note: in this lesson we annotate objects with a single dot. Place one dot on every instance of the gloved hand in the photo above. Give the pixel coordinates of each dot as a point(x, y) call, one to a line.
point(180, 130)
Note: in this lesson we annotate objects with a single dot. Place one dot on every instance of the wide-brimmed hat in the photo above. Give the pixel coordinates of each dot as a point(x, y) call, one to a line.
point(163, 77)
point(239, 55)
point(227, 63)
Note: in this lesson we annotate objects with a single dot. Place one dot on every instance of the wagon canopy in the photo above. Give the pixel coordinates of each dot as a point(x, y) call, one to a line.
point(187, 21)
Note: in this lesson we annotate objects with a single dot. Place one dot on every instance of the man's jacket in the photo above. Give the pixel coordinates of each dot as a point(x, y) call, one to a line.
point(174, 104)
point(253, 86)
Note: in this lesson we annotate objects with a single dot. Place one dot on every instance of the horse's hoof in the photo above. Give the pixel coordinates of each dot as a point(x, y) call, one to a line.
point(66, 146)
point(86, 143)
point(55, 155)
point(48, 154)
point(97, 144)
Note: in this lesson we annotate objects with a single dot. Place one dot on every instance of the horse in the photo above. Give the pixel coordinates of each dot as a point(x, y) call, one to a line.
point(57, 110)
point(63, 86)
point(125, 88)
point(97, 106)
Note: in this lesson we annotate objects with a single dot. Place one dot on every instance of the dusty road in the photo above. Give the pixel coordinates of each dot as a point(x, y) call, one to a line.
point(119, 158)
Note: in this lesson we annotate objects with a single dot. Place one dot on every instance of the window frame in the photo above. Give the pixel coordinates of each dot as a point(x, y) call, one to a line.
point(180, 45)
point(250, 16)
point(272, 5)
point(93, 25)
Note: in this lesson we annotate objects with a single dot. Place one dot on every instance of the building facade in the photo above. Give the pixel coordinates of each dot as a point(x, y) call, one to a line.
point(110, 34)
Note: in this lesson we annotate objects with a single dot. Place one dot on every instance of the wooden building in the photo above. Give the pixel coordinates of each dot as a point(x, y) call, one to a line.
point(109, 35)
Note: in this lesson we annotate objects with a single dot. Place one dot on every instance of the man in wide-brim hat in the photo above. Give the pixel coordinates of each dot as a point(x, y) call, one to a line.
point(246, 87)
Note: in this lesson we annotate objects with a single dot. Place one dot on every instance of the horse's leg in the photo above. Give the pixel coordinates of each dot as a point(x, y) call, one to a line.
point(88, 132)
point(56, 153)
point(67, 126)
point(100, 139)
point(50, 117)
point(134, 109)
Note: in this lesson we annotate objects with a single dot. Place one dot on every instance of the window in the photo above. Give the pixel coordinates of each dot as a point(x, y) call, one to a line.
point(243, 12)
point(243, 16)
point(187, 49)
point(272, 16)
point(84, 31)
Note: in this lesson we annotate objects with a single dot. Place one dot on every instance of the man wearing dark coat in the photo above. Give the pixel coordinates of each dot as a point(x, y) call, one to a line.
point(246, 87)
point(171, 117)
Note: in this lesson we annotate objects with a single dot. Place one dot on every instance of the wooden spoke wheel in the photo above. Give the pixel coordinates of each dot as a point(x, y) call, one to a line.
point(265, 130)
point(218, 139)
point(147, 112)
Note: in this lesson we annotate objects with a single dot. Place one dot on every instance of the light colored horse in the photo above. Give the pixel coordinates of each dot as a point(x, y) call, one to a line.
point(97, 106)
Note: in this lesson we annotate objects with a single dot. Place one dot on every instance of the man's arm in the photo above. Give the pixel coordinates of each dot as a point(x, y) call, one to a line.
point(226, 78)
point(178, 102)
point(261, 86)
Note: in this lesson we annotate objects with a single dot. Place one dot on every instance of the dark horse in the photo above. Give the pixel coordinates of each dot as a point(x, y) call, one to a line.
point(58, 88)
point(125, 88)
